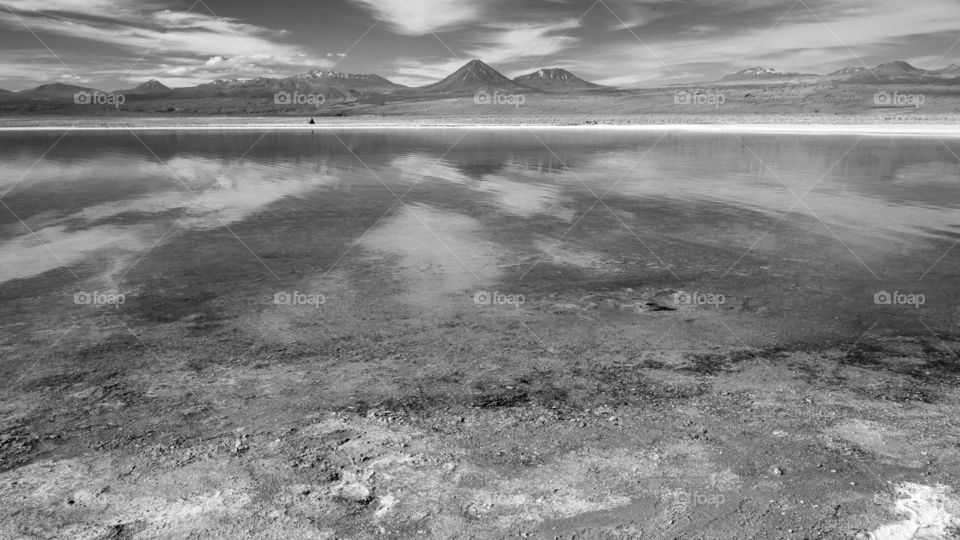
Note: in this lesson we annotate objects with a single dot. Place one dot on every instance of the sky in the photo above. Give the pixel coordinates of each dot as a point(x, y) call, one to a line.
point(117, 44)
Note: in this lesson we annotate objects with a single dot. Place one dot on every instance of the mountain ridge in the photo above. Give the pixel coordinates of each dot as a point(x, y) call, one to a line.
point(894, 72)
point(554, 80)
point(471, 78)
point(763, 73)
point(54, 91)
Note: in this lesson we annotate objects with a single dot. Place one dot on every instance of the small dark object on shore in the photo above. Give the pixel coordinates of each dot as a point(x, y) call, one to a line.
point(312, 122)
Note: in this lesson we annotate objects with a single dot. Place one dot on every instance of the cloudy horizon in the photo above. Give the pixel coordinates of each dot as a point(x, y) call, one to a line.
point(114, 44)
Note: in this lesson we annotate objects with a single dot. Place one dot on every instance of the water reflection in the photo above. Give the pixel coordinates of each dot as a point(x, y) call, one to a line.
point(134, 205)
point(52, 247)
point(98, 193)
point(525, 197)
point(438, 254)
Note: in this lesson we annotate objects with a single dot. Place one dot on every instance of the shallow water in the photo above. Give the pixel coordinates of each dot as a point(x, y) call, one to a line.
point(797, 229)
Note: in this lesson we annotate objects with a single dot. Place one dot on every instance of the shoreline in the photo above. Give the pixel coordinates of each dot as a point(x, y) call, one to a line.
point(885, 130)
point(898, 126)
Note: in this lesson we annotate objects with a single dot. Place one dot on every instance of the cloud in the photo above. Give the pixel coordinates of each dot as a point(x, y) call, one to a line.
point(700, 29)
point(415, 72)
point(513, 42)
point(689, 40)
point(20, 67)
point(631, 14)
point(887, 30)
point(88, 8)
point(162, 31)
point(178, 42)
point(190, 71)
point(419, 17)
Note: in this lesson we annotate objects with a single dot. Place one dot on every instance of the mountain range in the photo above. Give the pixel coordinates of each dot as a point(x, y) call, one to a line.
point(473, 77)
point(897, 72)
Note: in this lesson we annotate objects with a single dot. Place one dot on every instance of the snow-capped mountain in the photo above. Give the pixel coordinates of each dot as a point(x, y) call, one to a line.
point(762, 73)
point(555, 80)
point(361, 82)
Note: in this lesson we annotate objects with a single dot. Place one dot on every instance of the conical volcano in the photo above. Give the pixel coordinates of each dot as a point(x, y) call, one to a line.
point(474, 77)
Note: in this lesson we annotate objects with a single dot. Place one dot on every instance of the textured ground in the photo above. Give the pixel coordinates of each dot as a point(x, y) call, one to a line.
point(558, 420)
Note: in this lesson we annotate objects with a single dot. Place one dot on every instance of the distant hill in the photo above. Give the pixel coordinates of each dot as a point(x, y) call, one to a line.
point(473, 77)
point(149, 89)
point(759, 74)
point(897, 69)
point(897, 72)
point(54, 92)
point(340, 87)
point(260, 87)
point(333, 86)
point(7, 96)
point(847, 72)
point(364, 83)
point(555, 80)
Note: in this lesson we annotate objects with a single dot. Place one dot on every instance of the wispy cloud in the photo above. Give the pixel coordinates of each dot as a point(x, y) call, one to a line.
point(181, 43)
point(835, 33)
point(516, 42)
point(418, 17)
point(623, 42)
